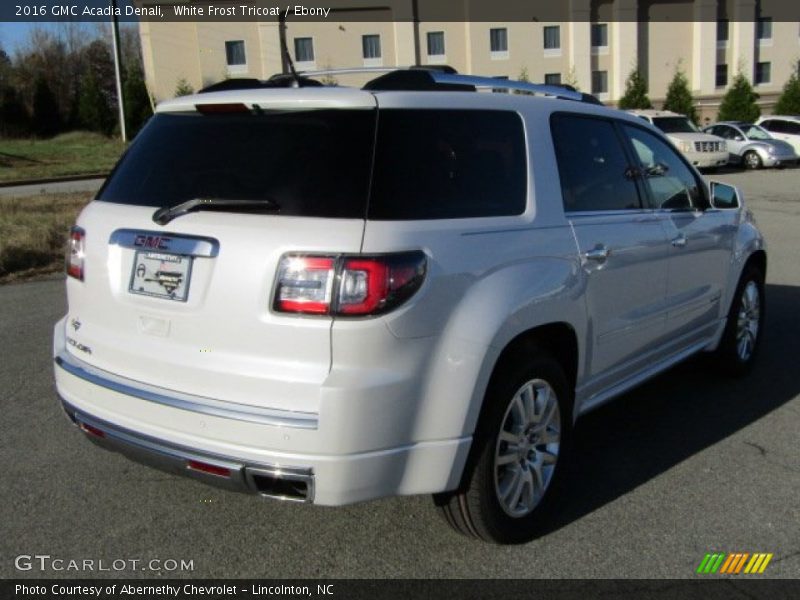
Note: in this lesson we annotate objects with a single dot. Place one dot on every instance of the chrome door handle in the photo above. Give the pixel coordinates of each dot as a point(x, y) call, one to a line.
point(680, 241)
point(599, 253)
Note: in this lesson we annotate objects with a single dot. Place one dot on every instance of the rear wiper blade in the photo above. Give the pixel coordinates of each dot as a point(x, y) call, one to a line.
point(165, 214)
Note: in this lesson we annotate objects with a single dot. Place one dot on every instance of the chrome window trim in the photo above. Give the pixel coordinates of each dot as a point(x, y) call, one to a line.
point(198, 404)
point(187, 245)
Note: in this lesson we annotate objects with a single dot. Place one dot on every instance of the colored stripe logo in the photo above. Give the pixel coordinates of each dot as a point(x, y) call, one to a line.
point(734, 563)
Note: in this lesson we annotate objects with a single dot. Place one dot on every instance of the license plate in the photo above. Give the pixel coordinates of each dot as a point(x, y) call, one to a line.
point(161, 275)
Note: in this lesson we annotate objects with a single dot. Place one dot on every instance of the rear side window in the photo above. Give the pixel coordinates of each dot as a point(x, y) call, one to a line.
point(448, 164)
point(312, 163)
point(594, 171)
point(791, 127)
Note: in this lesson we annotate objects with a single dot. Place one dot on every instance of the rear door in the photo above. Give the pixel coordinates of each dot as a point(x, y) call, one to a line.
point(623, 246)
point(187, 305)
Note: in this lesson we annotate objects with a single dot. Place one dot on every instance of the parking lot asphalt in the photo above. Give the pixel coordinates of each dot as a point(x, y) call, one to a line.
point(688, 463)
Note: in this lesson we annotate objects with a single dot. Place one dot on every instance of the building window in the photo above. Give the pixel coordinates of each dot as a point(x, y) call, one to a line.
point(764, 28)
point(498, 43)
point(721, 79)
point(436, 43)
point(722, 30)
point(599, 82)
point(234, 53)
point(552, 78)
point(371, 50)
point(599, 35)
point(304, 50)
point(763, 73)
point(552, 37)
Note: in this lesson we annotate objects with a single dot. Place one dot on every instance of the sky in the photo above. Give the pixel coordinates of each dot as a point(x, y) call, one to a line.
point(14, 34)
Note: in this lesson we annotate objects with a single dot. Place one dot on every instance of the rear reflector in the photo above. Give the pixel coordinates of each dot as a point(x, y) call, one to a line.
point(365, 285)
point(92, 430)
point(196, 465)
point(75, 253)
point(215, 109)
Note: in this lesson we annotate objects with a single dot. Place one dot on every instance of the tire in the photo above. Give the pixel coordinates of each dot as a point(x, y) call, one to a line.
point(741, 340)
point(509, 483)
point(751, 160)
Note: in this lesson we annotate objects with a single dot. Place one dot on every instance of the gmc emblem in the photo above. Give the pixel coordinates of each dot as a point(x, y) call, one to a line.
point(152, 241)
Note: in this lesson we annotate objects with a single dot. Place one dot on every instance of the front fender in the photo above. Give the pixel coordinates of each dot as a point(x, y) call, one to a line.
point(747, 242)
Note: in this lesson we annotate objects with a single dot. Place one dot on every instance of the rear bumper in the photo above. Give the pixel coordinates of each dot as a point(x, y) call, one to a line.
point(274, 481)
point(314, 452)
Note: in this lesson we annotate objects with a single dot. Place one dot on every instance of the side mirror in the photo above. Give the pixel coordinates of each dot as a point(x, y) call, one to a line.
point(738, 138)
point(724, 196)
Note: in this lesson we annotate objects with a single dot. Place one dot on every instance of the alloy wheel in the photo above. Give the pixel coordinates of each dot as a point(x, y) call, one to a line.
point(527, 448)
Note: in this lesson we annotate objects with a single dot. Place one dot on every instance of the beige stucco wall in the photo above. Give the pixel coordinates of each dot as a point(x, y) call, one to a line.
point(196, 52)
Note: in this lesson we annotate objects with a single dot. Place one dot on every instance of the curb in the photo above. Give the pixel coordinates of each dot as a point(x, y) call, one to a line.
point(65, 179)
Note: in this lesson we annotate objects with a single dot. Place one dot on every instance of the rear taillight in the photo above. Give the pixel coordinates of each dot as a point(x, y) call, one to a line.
point(75, 253)
point(347, 285)
point(305, 284)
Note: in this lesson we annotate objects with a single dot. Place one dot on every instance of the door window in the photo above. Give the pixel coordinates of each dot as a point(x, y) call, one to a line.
point(594, 171)
point(669, 182)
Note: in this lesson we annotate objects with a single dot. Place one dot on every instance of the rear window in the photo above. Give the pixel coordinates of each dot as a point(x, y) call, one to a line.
point(429, 164)
point(312, 163)
point(448, 164)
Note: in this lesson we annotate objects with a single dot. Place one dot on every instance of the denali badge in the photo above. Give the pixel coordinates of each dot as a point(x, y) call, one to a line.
point(78, 346)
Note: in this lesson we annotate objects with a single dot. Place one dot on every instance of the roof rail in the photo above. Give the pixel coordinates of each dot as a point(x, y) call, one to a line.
point(523, 86)
point(356, 70)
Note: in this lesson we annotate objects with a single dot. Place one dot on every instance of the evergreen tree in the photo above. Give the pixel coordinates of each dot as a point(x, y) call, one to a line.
point(183, 88)
point(739, 102)
point(635, 92)
point(46, 118)
point(789, 100)
point(14, 118)
point(137, 101)
point(93, 109)
point(679, 97)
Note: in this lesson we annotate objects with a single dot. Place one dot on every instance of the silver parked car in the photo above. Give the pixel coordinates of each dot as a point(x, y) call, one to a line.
point(330, 295)
point(752, 145)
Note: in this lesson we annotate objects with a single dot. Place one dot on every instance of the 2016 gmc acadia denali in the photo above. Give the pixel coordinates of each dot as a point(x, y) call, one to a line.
point(331, 294)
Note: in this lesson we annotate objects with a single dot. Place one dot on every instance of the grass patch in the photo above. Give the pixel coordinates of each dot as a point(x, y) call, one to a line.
point(33, 233)
point(74, 153)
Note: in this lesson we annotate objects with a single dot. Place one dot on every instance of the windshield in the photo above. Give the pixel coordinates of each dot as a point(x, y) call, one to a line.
point(754, 132)
point(312, 163)
point(675, 125)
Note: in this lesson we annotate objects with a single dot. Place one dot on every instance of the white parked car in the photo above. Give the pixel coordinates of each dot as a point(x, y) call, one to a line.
point(753, 146)
point(704, 151)
point(331, 295)
point(783, 127)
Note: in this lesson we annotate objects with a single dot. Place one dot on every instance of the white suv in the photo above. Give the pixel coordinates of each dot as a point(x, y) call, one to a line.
point(703, 150)
point(332, 295)
point(786, 128)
